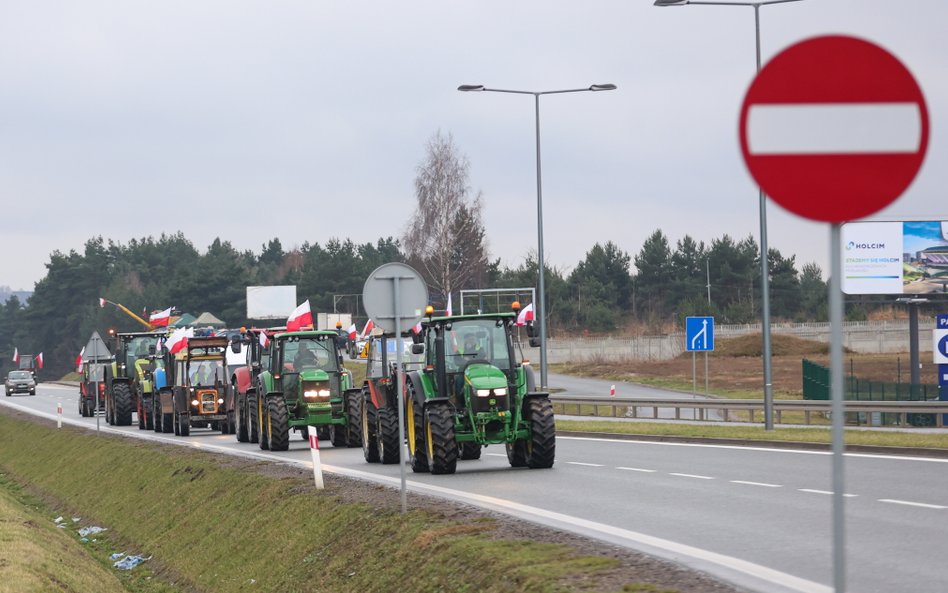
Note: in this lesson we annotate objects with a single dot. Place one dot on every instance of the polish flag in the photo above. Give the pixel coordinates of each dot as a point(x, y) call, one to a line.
point(417, 328)
point(39, 360)
point(300, 318)
point(79, 360)
point(367, 330)
point(525, 315)
point(16, 355)
point(448, 310)
point(264, 340)
point(353, 332)
point(102, 302)
point(178, 340)
point(160, 319)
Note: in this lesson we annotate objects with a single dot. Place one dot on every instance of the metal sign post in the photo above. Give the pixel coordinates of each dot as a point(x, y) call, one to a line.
point(395, 296)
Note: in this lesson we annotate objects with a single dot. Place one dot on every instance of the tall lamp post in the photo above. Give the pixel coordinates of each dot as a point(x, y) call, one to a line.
point(541, 304)
point(762, 199)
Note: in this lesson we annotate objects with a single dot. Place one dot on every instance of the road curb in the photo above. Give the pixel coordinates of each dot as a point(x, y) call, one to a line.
point(871, 449)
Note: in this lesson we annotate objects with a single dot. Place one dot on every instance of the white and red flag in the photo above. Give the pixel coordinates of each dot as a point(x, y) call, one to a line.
point(264, 340)
point(525, 315)
point(417, 328)
point(79, 360)
point(16, 355)
point(367, 329)
point(39, 360)
point(448, 309)
point(178, 340)
point(353, 332)
point(161, 318)
point(102, 302)
point(300, 318)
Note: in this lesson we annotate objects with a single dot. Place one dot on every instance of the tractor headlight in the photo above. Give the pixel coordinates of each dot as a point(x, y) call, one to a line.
point(500, 392)
point(483, 392)
point(195, 402)
point(220, 400)
point(489, 392)
point(316, 390)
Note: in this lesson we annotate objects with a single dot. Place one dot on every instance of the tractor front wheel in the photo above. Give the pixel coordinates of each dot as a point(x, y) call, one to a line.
point(541, 449)
point(369, 422)
point(253, 420)
point(278, 424)
point(242, 433)
point(387, 435)
point(517, 453)
point(469, 450)
point(337, 435)
point(184, 424)
point(262, 425)
point(417, 449)
point(442, 446)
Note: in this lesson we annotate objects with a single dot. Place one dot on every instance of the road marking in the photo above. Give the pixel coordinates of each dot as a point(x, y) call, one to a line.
point(697, 477)
point(762, 484)
point(638, 469)
point(584, 464)
point(913, 504)
point(811, 491)
point(496, 455)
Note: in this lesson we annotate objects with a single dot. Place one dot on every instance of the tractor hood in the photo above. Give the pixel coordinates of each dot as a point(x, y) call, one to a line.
point(314, 375)
point(484, 376)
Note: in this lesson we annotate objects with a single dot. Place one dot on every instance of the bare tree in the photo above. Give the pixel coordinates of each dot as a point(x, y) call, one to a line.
point(445, 238)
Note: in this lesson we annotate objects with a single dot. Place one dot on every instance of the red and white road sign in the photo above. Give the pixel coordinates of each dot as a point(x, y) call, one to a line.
point(834, 128)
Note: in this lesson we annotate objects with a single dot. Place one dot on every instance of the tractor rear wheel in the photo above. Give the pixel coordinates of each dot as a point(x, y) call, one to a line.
point(541, 448)
point(469, 450)
point(439, 432)
point(184, 424)
point(387, 435)
point(370, 437)
point(353, 409)
point(278, 424)
point(417, 449)
point(122, 404)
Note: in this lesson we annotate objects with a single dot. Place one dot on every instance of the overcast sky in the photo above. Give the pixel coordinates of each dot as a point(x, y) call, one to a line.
point(306, 120)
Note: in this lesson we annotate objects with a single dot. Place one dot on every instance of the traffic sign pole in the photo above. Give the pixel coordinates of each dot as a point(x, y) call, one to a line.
point(836, 391)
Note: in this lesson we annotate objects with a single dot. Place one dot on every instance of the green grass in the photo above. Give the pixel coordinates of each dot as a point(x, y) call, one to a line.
point(756, 433)
point(220, 528)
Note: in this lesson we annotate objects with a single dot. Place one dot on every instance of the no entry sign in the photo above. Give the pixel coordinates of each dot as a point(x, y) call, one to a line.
point(834, 128)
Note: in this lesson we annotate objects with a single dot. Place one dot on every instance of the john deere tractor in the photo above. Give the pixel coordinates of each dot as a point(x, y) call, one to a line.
point(474, 392)
point(305, 385)
point(128, 380)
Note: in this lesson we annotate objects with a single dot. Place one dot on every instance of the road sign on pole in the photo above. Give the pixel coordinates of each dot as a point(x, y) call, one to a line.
point(699, 334)
point(834, 128)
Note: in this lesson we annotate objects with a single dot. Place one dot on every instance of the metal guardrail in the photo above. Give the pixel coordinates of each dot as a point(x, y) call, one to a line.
point(630, 407)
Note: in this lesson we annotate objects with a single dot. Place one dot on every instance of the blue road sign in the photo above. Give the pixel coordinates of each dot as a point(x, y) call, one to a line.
point(943, 345)
point(943, 374)
point(699, 334)
point(941, 321)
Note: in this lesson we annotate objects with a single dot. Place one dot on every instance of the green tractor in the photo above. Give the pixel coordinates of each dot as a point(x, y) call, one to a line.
point(128, 380)
point(473, 392)
point(305, 385)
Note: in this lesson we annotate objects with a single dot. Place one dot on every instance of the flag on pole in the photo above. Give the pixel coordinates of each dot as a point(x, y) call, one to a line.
point(16, 355)
point(448, 309)
point(525, 315)
point(417, 328)
point(353, 332)
point(79, 360)
point(39, 360)
point(300, 318)
point(178, 340)
point(264, 340)
point(367, 330)
point(161, 318)
point(102, 302)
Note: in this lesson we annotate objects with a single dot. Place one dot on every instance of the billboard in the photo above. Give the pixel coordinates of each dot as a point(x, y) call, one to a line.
point(902, 257)
point(270, 302)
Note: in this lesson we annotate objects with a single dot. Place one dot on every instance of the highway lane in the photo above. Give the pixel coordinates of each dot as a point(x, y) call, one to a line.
point(754, 516)
point(567, 385)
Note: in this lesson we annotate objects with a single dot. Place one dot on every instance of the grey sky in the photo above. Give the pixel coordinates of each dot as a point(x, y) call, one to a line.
point(305, 120)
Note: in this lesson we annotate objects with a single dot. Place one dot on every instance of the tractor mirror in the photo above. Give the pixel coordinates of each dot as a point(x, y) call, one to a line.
point(235, 347)
point(417, 338)
point(255, 365)
point(531, 331)
point(417, 348)
point(534, 342)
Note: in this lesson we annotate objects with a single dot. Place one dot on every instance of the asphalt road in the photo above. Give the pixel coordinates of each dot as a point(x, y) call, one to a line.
point(758, 517)
point(583, 387)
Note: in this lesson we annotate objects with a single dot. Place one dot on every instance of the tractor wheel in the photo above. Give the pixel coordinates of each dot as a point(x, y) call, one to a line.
point(517, 453)
point(278, 424)
point(177, 424)
point(167, 422)
point(253, 422)
point(149, 418)
point(242, 434)
point(122, 404)
point(82, 407)
point(541, 448)
point(156, 412)
point(369, 422)
point(140, 412)
point(262, 425)
point(337, 435)
point(353, 409)
point(387, 435)
point(417, 449)
point(469, 450)
point(323, 433)
point(184, 424)
point(304, 433)
point(439, 432)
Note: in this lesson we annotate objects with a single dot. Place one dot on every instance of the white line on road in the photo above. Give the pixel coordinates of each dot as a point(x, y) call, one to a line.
point(584, 464)
point(638, 469)
point(762, 484)
point(697, 477)
point(811, 491)
point(496, 455)
point(913, 504)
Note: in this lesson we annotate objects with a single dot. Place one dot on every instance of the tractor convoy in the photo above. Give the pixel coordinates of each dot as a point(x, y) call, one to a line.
point(465, 388)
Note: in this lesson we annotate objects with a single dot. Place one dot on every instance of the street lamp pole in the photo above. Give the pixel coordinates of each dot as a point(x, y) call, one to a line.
point(762, 200)
point(541, 301)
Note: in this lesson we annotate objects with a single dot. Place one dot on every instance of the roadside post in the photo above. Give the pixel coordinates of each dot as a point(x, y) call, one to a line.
point(395, 296)
point(940, 350)
point(833, 129)
point(314, 451)
point(59, 414)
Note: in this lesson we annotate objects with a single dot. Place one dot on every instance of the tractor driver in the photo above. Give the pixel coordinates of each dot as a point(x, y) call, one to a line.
point(472, 346)
point(305, 357)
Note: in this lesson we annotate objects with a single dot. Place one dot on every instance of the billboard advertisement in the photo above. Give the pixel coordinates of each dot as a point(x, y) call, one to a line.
point(270, 302)
point(902, 257)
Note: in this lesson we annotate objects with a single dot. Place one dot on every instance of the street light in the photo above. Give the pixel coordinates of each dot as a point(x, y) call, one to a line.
point(762, 199)
point(541, 304)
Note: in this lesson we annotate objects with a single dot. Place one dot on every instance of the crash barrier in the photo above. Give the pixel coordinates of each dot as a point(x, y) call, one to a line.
point(864, 337)
point(746, 410)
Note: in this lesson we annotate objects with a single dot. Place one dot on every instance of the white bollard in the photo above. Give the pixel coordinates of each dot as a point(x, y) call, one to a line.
point(317, 465)
point(59, 415)
point(612, 391)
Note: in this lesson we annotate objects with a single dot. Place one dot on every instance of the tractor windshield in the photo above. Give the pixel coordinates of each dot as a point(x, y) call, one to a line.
point(301, 353)
point(477, 339)
point(207, 372)
point(138, 348)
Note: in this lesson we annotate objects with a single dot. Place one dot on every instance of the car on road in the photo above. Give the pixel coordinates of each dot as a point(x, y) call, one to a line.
point(20, 382)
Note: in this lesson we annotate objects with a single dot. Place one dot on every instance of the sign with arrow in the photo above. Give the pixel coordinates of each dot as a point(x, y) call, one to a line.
point(699, 334)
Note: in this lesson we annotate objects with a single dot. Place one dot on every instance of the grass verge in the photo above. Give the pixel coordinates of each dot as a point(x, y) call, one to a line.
point(213, 527)
point(757, 433)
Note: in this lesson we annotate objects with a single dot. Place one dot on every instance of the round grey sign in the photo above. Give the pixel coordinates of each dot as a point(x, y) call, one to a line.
point(395, 290)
